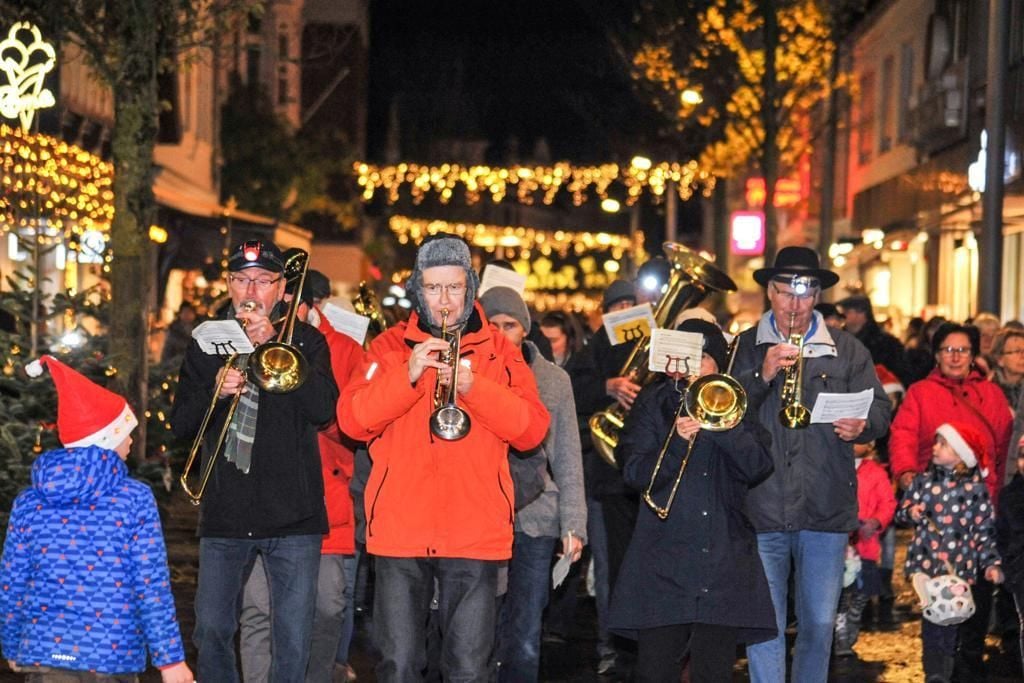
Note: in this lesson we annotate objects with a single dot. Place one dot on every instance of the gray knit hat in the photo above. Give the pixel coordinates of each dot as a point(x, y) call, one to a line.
point(443, 249)
point(498, 300)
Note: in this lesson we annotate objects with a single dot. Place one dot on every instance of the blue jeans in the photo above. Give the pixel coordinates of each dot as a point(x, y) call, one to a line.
point(292, 564)
point(519, 620)
point(403, 591)
point(816, 558)
point(350, 566)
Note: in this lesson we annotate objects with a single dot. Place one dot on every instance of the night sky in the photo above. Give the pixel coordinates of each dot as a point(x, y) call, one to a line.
point(504, 73)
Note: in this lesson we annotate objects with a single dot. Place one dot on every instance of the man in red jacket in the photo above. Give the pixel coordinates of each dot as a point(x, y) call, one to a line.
point(436, 509)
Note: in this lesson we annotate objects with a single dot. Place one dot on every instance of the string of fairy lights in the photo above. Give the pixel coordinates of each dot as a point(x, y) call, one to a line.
point(528, 184)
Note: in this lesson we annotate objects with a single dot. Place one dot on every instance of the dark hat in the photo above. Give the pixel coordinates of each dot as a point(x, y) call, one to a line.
point(857, 302)
point(796, 261)
point(828, 310)
point(620, 290)
point(256, 254)
point(505, 300)
point(714, 341)
point(316, 286)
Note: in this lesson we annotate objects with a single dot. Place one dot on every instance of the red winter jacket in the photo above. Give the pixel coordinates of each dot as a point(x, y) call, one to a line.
point(432, 498)
point(937, 399)
point(875, 500)
point(337, 458)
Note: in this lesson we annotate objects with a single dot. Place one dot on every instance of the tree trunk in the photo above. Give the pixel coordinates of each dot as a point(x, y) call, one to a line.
point(769, 114)
point(136, 107)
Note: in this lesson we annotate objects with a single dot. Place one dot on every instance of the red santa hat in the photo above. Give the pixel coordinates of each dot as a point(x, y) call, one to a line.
point(967, 442)
point(890, 383)
point(87, 414)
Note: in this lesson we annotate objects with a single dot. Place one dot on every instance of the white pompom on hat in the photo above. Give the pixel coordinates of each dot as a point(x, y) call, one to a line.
point(967, 443)
point(87, 414)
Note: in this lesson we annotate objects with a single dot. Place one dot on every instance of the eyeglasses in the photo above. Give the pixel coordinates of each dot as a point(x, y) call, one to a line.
point(955, 350)
point(1015, 352)
point(788, 297)
point(456, 289)
point(259, 283)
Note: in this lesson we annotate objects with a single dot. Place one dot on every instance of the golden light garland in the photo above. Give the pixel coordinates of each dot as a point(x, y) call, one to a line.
point(528, 183)
point(47, 179)
point(519, 241)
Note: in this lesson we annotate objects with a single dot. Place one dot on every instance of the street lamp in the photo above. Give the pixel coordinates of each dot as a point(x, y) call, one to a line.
point(691, 97)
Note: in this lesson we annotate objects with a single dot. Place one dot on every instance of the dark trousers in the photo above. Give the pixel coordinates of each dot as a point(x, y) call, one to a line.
point(466, 615)
point(971, 664)
point(661, 652)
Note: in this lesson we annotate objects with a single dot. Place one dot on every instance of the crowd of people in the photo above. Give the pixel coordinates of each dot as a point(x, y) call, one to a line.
point(452, 459)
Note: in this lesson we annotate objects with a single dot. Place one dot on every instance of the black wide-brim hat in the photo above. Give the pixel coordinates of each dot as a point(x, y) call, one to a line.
point(796, 261)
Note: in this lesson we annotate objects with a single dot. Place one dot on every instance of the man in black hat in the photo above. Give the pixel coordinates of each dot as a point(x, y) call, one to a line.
point(804, 512)
point(265, 495)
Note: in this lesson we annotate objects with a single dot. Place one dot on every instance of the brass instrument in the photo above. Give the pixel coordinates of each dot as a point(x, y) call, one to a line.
point(365, 303)
point(794, 414)
point(692, 278)
point(448, 421)
point(718, 402)
point(195, 497)
point(278, 366)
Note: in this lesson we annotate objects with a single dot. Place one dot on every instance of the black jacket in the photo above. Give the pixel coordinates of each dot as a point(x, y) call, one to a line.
point(886, 350)
point(283, 493)
point(1010, 531)
point(701, 564)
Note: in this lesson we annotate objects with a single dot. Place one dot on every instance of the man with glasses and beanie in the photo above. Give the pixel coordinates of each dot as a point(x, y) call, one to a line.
point(804, 512)
point(265, 495)
point(439, 511)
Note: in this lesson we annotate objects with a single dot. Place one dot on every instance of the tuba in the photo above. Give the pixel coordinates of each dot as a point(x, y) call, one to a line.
point(449, 421)
point(692, 278)
point(794, 414)
point(365, 304)
point(718, 402)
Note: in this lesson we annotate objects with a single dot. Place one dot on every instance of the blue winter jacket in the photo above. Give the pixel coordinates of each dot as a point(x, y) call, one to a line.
point(84, 582)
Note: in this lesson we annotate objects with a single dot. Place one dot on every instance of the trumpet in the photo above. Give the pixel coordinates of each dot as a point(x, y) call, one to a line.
point(718, 402)
point(448, 421)
point(195, 497)
point(794, 414)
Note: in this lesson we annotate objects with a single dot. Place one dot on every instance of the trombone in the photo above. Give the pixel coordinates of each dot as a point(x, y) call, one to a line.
point(718, 402)
point(448, 421)
point(195, 497)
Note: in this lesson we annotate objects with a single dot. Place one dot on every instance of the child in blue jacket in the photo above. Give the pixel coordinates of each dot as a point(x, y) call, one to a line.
point(84, 585)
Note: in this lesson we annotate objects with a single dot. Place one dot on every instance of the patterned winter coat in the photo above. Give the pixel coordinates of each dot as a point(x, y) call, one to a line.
point(961, 509)
point(84, 582)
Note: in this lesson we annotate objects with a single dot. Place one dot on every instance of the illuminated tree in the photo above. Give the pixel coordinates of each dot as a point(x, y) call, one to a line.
point(746, 78)
point(128, 44)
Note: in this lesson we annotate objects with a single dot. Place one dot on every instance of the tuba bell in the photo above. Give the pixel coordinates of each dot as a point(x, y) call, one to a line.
point(692, 278)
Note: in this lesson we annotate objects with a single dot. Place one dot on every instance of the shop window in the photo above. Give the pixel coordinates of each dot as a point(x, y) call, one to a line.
point(866, 116)
point(906, 91)
point(885, 118)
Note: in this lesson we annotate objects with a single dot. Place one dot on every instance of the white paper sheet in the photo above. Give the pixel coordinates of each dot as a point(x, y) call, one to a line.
point(629, 324)
point(675, 351)
point(830, 407)
point(222, 338)
point(346, 322)
point(496, 276)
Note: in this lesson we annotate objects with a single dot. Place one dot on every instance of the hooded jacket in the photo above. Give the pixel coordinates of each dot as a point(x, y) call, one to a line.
point(432, 498)
point(938, 399)
point(84, 582)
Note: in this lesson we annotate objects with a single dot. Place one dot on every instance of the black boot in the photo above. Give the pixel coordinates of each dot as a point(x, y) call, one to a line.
point(938, 668)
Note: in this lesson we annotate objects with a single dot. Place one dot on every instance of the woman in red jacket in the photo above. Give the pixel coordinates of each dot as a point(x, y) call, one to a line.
point(955, 391)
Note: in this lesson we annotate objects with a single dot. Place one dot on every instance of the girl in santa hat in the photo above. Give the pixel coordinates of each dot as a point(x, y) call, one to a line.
point(84, 585)
point(954, 527)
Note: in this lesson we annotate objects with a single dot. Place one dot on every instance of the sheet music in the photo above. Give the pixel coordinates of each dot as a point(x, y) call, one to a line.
point(222, 338)
point(830, 407)
point(629, 324)
point(675, 351)
point(496, 276)
point(346, 322)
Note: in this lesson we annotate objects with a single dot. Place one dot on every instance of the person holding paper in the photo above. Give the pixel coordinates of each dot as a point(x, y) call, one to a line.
point(557, 517)
point(804, 512)
point(440, 510)
point(955, 391)
point(266, 494)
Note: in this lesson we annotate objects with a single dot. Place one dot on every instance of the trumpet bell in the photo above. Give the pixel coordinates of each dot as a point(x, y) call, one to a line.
point(795, 416)
point(450, 423)
point(717, 402)
point(277, 368)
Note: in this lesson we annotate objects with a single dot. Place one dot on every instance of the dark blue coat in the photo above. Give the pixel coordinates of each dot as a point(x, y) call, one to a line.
point(700, 565)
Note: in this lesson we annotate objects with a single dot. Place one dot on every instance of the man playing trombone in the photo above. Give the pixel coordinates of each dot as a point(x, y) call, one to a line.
point(263, 492)
point(439, 400)
point(805, 510)
point(691, 581)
